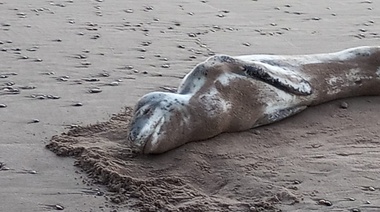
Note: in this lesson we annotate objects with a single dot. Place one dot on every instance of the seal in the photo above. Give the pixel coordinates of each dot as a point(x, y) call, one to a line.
point(231, 94)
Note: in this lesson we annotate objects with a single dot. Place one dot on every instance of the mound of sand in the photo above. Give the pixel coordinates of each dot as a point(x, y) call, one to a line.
point(322, 159)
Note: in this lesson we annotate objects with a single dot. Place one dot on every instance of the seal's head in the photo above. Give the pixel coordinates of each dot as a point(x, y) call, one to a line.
point(155, 114)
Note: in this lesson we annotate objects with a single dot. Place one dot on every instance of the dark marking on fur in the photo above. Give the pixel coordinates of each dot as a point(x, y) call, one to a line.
point(362, 54)
point(260, 73)
point(225, 59)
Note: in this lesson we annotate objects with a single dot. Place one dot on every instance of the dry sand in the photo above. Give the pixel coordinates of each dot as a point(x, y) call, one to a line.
point(53, 53)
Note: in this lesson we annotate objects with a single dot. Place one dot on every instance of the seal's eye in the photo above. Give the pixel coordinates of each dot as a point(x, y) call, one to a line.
point(147, 111)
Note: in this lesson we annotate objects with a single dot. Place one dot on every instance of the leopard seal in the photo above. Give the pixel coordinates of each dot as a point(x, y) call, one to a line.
point(231, 94)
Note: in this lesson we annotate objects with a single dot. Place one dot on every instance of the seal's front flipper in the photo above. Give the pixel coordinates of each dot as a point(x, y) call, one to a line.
point(278, 115)
point(279, 77)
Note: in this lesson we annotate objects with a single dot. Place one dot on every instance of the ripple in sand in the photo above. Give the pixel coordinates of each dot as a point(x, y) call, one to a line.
point(85, 63)
point(325, 202)
point(103, 74)
point(148, 8)
point(95, 90)
point(63, 78)
point(53, 97)
point(33, 49)
point(91, 79)
point(142, 50)
point(10, 90)
point(44, 96)
point(129, 67)
point(47, 73)
point(32, 171)
point(360, 35)
point(165, 66)
point(35, 121)
point(27, 87)
point(114, 83)
point(10, 83)
point(146, 43)
point(21, 14)
point(9, 74)
point(80, 56)
point(94, 37)
point(129, 10)
point(3, 167)
point(78, 104)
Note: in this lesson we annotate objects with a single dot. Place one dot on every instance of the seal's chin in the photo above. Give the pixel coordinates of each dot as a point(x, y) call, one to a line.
point(146, 146)
point(147, 149)
point(139, 145)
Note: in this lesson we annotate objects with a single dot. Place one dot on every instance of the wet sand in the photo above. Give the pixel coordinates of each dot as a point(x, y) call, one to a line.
point(65, 64)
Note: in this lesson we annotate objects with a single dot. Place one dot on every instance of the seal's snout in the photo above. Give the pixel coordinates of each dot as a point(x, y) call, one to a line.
point(143, 133)
point(154, 114)
point(144, 126)
point(135, 141)
point(132, 136)
point(136, 134)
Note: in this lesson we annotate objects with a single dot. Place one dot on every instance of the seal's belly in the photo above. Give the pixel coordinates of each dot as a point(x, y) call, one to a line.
point(243, 102)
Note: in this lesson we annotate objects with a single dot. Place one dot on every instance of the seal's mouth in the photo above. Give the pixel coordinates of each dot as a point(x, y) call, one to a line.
point(144, 148)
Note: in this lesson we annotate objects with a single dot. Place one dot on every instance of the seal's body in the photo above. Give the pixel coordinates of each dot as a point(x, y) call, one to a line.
point(230, 94)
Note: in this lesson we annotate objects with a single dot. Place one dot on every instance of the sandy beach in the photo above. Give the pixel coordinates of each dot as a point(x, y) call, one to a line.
point(77, 67)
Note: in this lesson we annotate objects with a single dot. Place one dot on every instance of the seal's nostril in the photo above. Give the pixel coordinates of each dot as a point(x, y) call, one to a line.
point(132, 136)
